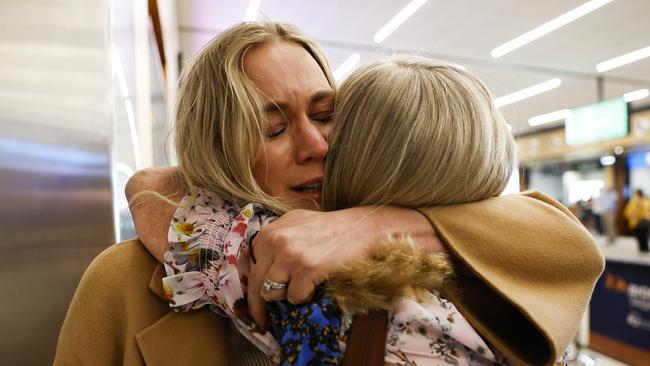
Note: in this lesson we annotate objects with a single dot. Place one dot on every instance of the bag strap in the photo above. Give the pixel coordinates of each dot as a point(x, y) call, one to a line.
point(366, 343)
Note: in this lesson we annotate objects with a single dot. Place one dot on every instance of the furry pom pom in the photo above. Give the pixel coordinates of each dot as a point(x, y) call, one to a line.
point(396, 268)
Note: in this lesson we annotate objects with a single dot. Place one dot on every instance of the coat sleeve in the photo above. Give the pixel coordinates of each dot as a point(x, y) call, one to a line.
point(526, 269)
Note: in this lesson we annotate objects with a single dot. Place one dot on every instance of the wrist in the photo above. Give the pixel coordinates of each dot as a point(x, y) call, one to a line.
point(398, 222)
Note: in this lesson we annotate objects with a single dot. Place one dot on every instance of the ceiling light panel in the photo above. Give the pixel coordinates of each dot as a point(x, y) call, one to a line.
point(527, 93)
point(636, 95)
point(548, 27)
point(549, 117)
point(347, 66)
point(251, 11)
point(398, 19)
point(623, 60)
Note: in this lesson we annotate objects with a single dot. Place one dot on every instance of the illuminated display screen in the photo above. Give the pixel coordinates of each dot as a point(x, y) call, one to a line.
point(597, 122)
point(638, 160)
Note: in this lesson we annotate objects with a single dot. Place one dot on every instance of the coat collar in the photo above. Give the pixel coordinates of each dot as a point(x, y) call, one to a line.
point(196, 337)
point(155, 282)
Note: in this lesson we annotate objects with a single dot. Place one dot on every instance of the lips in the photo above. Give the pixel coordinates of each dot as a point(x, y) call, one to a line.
point(310, 189)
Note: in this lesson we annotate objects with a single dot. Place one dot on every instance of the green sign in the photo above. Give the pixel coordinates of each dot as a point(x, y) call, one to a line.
point(597, 122)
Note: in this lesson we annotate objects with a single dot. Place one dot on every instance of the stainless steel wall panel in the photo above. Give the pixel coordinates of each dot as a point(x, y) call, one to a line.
point(56, 210)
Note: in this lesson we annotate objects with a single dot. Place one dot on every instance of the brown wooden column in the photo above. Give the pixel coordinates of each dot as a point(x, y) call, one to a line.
point(621, 180)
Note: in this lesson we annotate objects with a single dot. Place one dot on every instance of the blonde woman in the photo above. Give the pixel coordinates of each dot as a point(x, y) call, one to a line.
point(251, 126)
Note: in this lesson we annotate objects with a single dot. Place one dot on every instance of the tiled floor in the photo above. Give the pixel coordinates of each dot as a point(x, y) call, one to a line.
point(587, 357)
point(625, 247)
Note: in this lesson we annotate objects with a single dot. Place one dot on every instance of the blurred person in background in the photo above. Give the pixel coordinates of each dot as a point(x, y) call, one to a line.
point(607, 205)
point(254, 130)
point(597, 214)
point(637, 212)
point(586, 211)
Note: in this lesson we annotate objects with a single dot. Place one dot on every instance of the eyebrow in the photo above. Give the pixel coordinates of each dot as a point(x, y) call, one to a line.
point(275, 107)
point(281, 106)
point(323, 94)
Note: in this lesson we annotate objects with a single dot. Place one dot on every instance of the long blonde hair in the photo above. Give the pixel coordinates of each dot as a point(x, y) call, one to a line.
point(410, 131)
point(218, 113)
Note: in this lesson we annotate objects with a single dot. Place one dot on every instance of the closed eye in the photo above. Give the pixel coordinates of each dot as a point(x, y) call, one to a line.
point(323, 117)
point(276, 132)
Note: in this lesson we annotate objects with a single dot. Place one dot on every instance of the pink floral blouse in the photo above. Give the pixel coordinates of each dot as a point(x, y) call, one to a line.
point(205, 266)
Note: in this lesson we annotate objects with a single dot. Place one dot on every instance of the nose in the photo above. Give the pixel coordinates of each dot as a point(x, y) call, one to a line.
point(310, 141)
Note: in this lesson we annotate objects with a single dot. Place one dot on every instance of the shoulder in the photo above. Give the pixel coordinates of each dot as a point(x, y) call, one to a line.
point(115, 289)
point(118, 266)
point(121, 256)
point(515, 208)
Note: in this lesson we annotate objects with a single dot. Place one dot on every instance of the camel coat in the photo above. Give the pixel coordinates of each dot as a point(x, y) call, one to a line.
point(526, 271)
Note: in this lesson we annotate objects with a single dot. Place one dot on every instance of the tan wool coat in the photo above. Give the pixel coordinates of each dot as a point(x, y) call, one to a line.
point(526, 271)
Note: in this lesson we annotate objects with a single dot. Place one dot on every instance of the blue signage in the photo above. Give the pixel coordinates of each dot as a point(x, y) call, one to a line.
point(638, 160)
point(620, 306)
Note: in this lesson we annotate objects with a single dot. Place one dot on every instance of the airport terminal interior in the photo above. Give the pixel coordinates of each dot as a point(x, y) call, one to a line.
point(87, 98)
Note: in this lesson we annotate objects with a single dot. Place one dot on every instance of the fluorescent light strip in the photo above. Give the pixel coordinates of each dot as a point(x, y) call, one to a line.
point(347, 66)
point(119, 72)
point(549, 117)
point(398, 19)
point(607, 160)
point(124, 169)
point(623, 60)
point(135, 141)
point(251, 11)
point(527, 93)
point(636, 95)
point(548, 27)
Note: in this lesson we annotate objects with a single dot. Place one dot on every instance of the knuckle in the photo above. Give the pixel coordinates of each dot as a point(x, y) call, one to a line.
point(295, 298)
point(275, 238)
point(309, 264)
point(266, 295)
point(300, 292)
point(292, 253)
point(273, 295)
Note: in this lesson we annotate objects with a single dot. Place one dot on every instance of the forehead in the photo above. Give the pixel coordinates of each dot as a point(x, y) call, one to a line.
point(284, 71)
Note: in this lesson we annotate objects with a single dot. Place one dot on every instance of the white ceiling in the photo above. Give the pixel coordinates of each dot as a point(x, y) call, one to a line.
point(464, 31)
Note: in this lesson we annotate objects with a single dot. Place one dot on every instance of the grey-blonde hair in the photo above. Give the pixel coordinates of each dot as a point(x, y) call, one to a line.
point(218, 133)
point(411, 131)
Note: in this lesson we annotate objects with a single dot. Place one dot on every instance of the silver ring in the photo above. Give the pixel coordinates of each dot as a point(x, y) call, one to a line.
point(272, 285)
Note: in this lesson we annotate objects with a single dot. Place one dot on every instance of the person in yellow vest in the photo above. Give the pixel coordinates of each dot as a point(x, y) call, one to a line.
point(637, 213)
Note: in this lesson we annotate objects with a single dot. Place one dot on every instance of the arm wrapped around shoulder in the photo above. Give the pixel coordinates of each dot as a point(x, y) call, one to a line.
point(527, 269)
point(396, 268)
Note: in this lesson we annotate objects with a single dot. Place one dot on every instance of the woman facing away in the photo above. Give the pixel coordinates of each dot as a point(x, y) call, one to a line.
point(252, 129)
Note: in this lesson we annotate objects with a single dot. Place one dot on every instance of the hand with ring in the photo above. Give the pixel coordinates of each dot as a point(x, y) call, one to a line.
point(296, 253)
point(270, 285)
